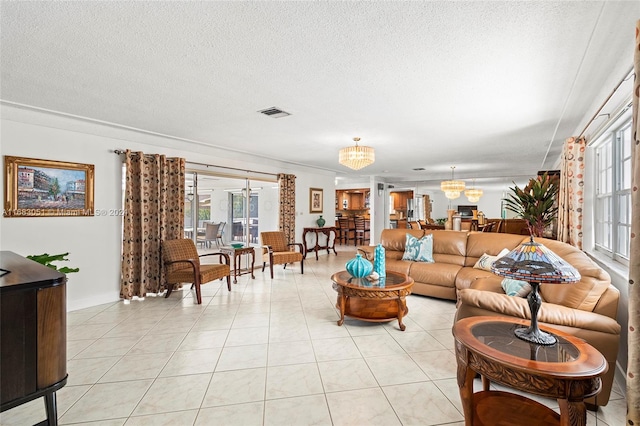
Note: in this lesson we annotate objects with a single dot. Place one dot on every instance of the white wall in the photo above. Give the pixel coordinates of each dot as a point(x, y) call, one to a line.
point(94, 242)
point(489, 203)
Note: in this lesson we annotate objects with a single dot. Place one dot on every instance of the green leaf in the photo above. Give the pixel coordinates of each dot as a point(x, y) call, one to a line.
point(535, 203)
point(47, 260)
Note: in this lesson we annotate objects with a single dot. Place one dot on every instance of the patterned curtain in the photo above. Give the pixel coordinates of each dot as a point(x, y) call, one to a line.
point(153, 200)
point(287, 214)
point(571, 198)
point(633, 368)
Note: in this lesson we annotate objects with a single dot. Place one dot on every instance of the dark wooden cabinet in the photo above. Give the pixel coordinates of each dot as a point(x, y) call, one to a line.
point(33, 333)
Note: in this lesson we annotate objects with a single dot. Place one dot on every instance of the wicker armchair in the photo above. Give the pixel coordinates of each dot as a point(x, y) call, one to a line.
point(182, 265)
point(277, 251)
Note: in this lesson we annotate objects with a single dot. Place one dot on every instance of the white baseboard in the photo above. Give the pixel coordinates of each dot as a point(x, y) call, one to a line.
point(99, 299)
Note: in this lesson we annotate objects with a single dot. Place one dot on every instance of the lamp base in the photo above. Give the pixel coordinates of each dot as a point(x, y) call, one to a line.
point(535, 335)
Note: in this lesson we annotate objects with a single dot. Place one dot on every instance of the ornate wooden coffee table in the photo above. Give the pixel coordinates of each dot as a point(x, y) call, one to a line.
point(378, 301)
point(568, 371)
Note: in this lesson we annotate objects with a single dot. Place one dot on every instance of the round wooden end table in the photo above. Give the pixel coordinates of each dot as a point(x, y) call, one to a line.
point(374, 301)
point(568, 371)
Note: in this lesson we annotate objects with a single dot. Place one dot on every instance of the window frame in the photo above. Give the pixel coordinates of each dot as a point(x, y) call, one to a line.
point(612, 197)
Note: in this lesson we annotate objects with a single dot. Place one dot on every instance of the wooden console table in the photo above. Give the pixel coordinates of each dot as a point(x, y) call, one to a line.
point(33, 333)
point(326, 230)
point(568, 371)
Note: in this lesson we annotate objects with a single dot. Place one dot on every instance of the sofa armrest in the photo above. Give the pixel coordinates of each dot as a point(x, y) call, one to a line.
point(552, 314)
point(367, 252)
point(493, 284)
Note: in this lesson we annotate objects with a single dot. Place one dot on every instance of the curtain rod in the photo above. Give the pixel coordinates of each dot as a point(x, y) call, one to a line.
point(628, 75)
point(120, 151)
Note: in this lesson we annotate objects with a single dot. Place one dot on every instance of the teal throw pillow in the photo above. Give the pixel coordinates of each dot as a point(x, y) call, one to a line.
point(516, 287)
point(418, 250)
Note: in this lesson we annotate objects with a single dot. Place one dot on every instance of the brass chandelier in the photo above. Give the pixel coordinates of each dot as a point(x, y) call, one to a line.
point(452, 188)
point(356, 157)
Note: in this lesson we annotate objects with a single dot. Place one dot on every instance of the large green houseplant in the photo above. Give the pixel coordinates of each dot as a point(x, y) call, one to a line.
point(535, 203)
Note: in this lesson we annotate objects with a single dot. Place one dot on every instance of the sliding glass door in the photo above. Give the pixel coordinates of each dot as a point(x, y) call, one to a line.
point(241, 207)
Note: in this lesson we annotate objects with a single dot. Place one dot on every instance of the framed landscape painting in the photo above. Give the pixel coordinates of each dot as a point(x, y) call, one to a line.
point(315, 200)
point(35, 188)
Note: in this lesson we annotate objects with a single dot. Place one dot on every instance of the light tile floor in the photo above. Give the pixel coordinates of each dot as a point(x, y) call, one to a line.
point(267, 353)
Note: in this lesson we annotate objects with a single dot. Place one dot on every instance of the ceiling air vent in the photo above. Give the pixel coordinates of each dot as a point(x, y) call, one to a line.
point(274, 112)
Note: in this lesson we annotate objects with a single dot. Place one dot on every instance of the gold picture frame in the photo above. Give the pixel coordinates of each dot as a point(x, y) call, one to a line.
point(315, 200)
point(39, 188)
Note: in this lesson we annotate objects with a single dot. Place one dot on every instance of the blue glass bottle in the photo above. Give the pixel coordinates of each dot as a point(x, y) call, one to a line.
point(379, 261)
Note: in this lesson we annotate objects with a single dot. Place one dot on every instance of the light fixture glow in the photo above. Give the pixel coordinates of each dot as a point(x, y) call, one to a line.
point(357, 157)
point(452, 188)
point(473, 193)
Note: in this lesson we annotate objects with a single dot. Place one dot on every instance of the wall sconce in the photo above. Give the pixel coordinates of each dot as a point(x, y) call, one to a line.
point(380, 189)
point(190, 194)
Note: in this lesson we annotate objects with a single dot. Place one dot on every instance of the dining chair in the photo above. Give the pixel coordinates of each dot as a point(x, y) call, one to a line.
point(219, 238)
point(277, 251)
point(210, 234)
point(490, 227)
point(182, 265)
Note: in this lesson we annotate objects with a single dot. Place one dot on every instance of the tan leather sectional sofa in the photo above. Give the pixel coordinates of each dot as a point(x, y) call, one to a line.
point(586, 309)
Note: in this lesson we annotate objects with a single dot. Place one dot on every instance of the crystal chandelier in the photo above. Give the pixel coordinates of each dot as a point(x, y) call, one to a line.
point(356, 157)
point(473, 193)
point(452, 188)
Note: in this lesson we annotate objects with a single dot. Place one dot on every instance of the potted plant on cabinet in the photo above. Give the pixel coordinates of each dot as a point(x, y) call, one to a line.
point(48, 259)
point(535, 203)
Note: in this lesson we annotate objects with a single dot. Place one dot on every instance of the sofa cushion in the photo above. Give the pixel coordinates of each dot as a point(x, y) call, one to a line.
point(397, 265)
point(393, 240)
point(449, 246)
point(487, 260)
point(468, 275)
point(584, 294)
point(442, 274)
point(479, 243)
point(515, 287)
point(418, 250)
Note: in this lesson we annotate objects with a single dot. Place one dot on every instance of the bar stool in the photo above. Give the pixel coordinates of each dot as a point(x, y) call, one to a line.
point(345, 230)
point(360, 231)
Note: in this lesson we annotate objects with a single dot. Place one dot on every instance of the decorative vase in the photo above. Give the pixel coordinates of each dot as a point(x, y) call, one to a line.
point(359, 267)
point(320, 221)
point(481, 218)
point(457, 222)
point(475, 214)
point(378, 262)
point(449, 223)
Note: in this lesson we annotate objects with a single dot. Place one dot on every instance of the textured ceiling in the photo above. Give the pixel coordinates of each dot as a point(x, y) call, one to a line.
point(490, 87)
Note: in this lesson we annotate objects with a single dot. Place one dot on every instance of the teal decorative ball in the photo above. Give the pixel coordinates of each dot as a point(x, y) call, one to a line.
point(359, 267)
